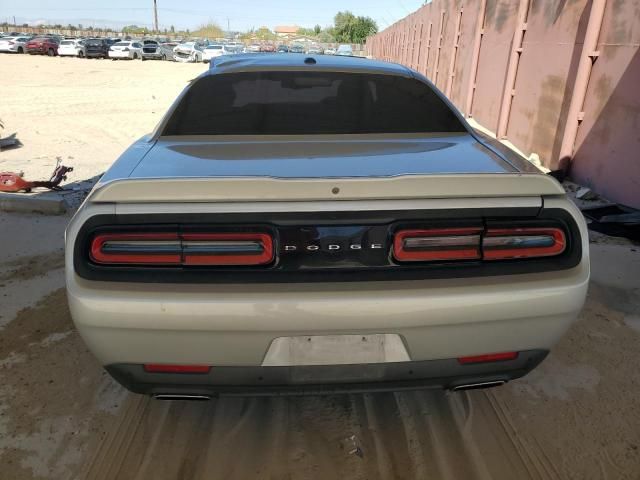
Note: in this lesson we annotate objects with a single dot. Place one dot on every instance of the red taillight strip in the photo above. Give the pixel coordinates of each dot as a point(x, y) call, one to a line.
point(488, 357)
point(162, 368)
point(445, 244)
point(227, 248)
point(98, 255)
point(509, 243)
point(437, 244)
point(183, 249)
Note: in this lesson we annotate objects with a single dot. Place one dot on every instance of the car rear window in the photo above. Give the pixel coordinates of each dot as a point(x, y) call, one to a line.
point(281, 103)
point(122, 44)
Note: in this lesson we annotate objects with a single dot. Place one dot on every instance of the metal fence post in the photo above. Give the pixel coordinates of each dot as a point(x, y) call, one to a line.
point(512, 69)
point(475, 59)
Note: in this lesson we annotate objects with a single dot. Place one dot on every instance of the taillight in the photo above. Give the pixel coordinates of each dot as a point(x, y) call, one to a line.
point(437, 244)
point(446, 244)
point(507, 243)
point(227, 248)
point(488, 358)
point(162, 368)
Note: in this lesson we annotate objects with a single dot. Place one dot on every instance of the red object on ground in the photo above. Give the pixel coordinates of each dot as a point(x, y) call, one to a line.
point(13, 182)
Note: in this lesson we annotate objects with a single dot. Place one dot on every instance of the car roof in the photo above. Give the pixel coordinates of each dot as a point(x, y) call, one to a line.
point(298, 61)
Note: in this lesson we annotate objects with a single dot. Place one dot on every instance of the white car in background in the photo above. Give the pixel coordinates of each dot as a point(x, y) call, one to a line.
point(188, 52)
point(72, 48)
point(330, 51)
point(13, 44)
point(212, 51)
point(345, 50)
point(129, 50)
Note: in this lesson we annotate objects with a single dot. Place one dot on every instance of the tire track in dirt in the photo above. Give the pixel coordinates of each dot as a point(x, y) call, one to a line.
point(405, 435)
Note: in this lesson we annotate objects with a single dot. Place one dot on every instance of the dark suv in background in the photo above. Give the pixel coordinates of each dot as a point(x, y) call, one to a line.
point(96, 48)
point(43, 46)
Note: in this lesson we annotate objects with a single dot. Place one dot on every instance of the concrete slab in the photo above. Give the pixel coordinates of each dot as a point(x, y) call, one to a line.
point(48, 203)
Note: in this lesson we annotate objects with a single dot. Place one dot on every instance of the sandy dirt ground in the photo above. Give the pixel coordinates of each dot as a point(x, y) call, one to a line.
point(61, 417)
point(85, 112)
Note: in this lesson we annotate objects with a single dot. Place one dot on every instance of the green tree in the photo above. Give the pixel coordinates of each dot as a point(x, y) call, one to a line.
point(209, 30)
point(351, 29)
point(173, 29)
point(263, 33)
point(317, 29)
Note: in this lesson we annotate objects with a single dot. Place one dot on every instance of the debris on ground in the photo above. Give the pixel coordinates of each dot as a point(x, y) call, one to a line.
point(352, 446)
point(614, 220)
point(9, 142)
point(585, 193)
point(14, 182)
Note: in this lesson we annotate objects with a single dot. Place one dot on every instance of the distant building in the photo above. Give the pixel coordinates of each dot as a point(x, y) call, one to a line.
point(287, 31)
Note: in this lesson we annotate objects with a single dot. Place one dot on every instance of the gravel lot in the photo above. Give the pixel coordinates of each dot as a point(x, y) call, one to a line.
point(61, 417)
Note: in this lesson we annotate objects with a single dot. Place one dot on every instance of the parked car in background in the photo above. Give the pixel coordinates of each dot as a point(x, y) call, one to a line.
point(72, 48)
point(214, 50)
point(168, 48)
point(345, 50)
point(215, 257)
point(42, 46)
point(254, 47)
point(282, 49)
point(296, 48)
point(188, 52)
point(96, 48)
point(14, 44)
point(315, 50)
point(127, 50)
point(268, 48)
point(330, 51)
point(236, 47)
point(154, 50)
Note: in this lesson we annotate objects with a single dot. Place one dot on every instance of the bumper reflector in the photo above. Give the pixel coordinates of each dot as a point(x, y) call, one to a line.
point(160, 368)
point(488, 358)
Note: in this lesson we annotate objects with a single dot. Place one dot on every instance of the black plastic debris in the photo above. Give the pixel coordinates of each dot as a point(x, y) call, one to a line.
point(614, 220)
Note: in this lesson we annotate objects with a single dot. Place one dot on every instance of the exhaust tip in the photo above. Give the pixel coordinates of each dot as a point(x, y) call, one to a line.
point(180, 396)
point(478, 385)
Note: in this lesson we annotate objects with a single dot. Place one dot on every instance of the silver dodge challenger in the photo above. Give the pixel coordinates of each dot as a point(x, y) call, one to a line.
point(299, 224)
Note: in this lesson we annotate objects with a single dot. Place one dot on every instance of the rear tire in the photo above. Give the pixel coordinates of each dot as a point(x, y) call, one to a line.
point(20, 50)
point(81, 54)
point(135, 56)
point(51, 52)
point(164, 57)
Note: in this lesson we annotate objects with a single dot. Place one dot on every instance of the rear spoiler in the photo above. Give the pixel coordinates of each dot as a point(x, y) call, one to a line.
point(267, 189)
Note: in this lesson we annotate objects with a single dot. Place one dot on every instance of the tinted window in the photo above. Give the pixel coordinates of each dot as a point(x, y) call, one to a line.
point(123, 44)
point(137, 45)
point(272, 103)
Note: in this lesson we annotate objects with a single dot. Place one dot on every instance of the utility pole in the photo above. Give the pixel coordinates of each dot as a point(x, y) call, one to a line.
point(228, 29)
point(14, 20)
point(155, 16)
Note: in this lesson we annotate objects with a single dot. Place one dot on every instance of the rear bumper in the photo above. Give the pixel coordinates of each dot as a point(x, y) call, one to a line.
point(234, 325)
point(447, 373)
point(116, 54)
point(152, 56)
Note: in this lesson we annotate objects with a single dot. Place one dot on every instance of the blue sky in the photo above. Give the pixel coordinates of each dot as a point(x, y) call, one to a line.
point(240, 14)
